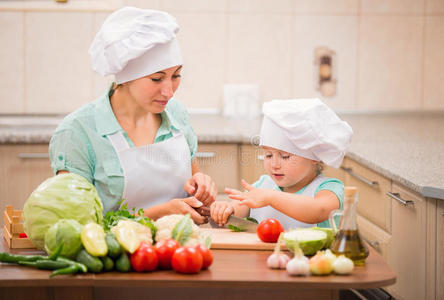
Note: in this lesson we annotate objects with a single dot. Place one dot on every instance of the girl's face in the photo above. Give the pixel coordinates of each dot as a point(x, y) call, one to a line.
point(152, 93)
point(288, 170)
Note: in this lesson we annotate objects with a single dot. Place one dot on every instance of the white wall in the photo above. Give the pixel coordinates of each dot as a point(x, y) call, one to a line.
point(389, 52)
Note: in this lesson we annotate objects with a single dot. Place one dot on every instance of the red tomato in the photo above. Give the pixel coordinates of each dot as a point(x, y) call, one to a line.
point(145, 258)
point(165, 250)
point(207, 256)
point(22, 235)
point(269, 230)
point(187, 260)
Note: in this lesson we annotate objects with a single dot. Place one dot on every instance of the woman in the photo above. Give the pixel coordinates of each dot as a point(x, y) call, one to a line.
point(136, 142)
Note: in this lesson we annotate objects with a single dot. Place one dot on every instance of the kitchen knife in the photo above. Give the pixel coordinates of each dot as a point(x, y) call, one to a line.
point(241, 223)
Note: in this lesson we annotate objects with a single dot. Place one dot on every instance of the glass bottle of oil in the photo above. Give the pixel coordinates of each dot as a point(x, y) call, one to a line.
point(348, 240)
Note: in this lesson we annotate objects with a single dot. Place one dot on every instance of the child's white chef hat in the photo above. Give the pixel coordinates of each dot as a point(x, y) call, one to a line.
point(305, 127)
point(134, 42)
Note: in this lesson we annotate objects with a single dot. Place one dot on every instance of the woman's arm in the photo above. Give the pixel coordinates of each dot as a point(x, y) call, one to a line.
point(176, 206)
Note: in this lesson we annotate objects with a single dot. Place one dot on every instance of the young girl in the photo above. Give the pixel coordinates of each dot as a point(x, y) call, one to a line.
point(297, 137)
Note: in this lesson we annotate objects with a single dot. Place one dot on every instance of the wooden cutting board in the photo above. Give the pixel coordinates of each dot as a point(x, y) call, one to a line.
point(226, 239)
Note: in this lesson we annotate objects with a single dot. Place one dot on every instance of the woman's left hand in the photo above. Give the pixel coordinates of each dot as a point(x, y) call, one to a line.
point(202, 187)
point(253, 198)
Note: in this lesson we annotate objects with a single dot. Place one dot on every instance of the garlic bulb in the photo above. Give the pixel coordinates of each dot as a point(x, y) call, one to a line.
point(277, 261)
point(343, 265)
point(298, 266)
point(331, 257)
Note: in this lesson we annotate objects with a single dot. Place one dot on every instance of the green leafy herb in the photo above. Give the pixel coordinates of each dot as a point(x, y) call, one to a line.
point(235, 228)
point(113, 217)
point(183, 230)
point(251, 220)
point(208, 242)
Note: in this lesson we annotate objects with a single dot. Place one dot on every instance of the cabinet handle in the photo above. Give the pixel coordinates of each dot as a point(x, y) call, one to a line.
point(33, 155)
point(205, 154)
point(359, 177)
point(374, 244)
point(398, 198)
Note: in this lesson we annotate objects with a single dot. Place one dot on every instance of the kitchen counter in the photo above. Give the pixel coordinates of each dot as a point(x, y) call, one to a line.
point(235, 274)
point(405, 147)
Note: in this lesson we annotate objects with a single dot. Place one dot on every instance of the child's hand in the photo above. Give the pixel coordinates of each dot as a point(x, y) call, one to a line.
point(220, 211)
point(254, 198)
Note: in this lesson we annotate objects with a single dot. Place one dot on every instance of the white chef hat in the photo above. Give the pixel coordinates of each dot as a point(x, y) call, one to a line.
point(134, 42)
point(305, 127)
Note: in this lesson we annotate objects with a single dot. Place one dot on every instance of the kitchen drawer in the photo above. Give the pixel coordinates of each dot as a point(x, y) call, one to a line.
point(220, 161)
point(374, 236)
point(23, 168)
point(373, 203)
point(408, 246)
point(251, 162)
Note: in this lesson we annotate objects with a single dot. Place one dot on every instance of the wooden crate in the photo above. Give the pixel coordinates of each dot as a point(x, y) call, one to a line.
point(13, 227)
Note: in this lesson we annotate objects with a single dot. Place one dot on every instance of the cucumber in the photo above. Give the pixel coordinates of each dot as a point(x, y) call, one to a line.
point(94, 264)
point(108, 263)
point(123, 263)
point(114, 248)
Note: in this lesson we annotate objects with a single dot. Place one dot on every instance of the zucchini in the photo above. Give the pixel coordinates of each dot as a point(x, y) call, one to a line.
point(94, 264)
point(114, 248)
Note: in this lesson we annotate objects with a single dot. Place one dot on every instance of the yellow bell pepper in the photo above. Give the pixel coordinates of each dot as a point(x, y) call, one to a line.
point(130, 234)
point(93, 239)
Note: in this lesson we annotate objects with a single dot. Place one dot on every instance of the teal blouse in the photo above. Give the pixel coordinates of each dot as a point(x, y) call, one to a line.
point(331, 184)
point(79, 145)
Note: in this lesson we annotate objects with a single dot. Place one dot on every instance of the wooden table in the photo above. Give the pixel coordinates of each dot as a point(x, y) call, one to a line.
point(235, 274)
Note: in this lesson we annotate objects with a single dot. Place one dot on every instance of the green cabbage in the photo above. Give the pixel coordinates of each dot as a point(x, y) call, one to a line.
point(65, 196)
point(66, 232)
point(309, 240)
point(330, 235)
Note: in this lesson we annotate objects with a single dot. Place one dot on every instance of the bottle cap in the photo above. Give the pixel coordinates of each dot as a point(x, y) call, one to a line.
point(350, 191)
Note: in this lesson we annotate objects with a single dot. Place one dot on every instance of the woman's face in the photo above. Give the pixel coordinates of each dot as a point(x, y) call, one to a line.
point(286, 169)
point(153, 92)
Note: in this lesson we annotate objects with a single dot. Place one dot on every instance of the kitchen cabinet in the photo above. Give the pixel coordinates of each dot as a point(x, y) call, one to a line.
point(251, 163)
point(23, 168)
point(220, 161)
point(375, 237)
point(408, 235)
point(440, 250)
point(373, 203)
point(408, 244)
point(337, 173)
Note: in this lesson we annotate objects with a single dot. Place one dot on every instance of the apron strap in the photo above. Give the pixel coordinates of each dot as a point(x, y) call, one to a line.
point(118, 141)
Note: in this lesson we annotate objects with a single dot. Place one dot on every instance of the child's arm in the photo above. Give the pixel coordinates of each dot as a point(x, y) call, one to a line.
point(221, 210)
point(302, 208)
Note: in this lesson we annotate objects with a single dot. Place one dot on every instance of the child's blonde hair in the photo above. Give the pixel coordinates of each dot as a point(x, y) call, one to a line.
point(319, 166)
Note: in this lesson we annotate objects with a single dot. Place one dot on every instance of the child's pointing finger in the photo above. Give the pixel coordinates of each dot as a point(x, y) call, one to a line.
point(246, 185)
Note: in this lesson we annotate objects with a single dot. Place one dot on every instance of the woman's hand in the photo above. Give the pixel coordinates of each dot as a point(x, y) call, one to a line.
point(253, 198)
point(202, 187)
point(186, 206)
point(220, 211)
